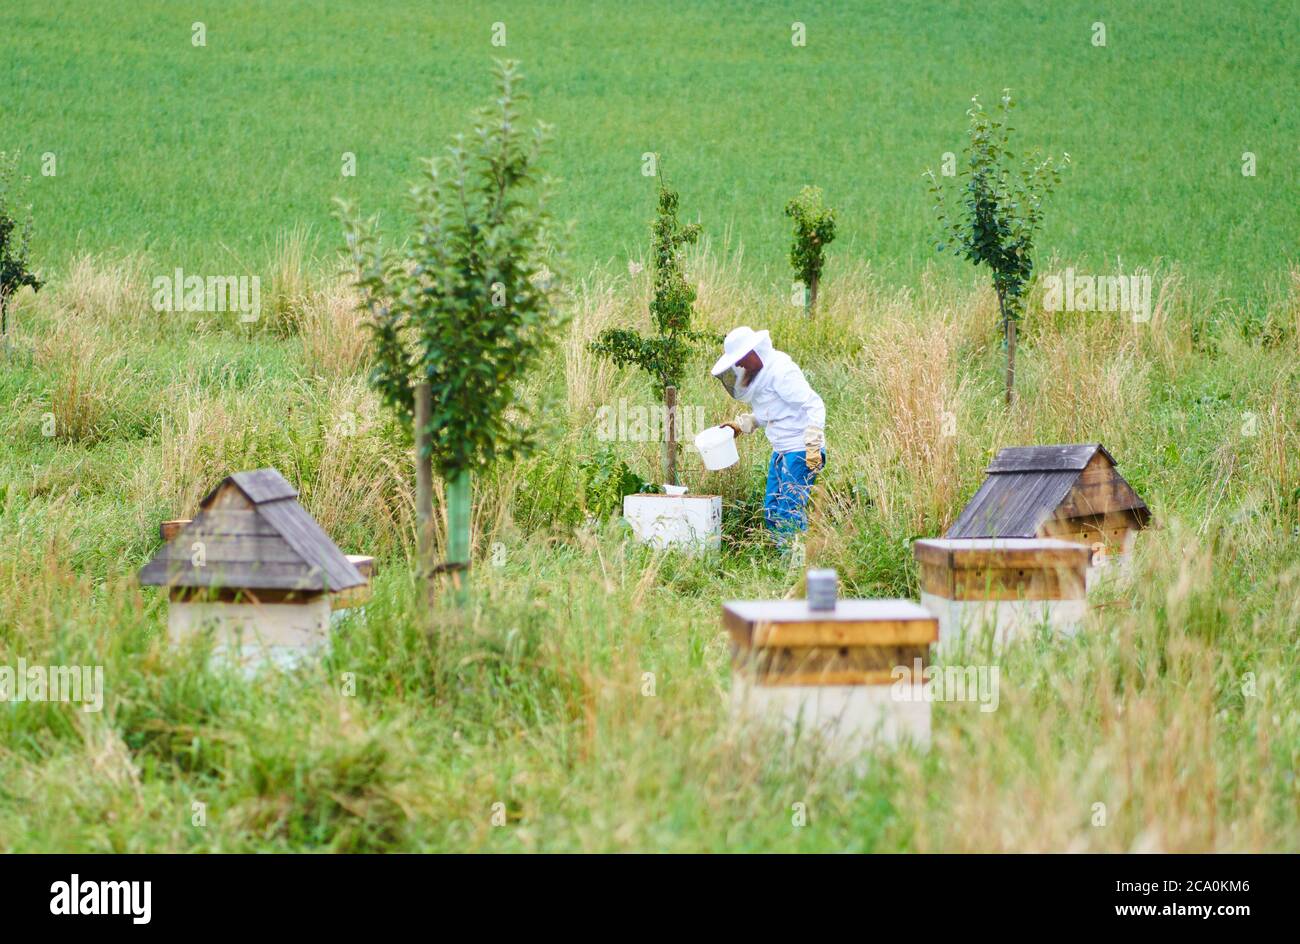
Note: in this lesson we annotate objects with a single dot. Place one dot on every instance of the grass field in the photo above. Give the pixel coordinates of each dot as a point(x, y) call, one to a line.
point(535, 701)
point(1175, 708)
point(206, 156)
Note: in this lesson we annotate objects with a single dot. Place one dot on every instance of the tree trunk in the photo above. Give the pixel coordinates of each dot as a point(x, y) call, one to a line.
point(459, 492)
point(670, 439)
point(423, 485)
point(1011, 360)
point(812, 294)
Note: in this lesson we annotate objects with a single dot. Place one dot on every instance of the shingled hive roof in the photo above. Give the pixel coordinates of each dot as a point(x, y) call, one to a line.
point(1026, 486)
point(254, 535)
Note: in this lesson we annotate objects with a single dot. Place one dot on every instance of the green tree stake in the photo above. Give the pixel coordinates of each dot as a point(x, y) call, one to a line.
point(458, 534)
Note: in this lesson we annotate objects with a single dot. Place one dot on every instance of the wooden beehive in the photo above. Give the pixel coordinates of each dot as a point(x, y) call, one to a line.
point(834, 671)
point(254, 569)
point(1004, 586)
point(1071, 492)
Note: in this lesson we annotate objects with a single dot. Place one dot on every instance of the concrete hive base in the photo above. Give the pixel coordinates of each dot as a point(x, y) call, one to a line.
point(1109, 569)
point(687, 522)
point(847, 719)
point(1003, 620)
point(250, 635)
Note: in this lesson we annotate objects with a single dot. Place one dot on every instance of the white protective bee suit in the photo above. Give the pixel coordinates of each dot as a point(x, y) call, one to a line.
point(789, 411)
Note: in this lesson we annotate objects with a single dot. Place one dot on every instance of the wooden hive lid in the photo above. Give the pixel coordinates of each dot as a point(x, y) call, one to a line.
point(979, 553)
point(790, 623)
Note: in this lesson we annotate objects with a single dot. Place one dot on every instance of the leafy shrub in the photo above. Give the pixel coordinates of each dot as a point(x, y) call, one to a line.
point(467, 306)
point(15, 240)
point(606, 479)
point(814, 230)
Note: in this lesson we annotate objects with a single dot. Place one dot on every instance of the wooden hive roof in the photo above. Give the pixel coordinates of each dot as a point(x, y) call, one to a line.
point(1047, 458)
point(254, 535)
point(1028, 486)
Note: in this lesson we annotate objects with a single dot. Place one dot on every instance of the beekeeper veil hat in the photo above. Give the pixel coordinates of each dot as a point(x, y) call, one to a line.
point(737, 344)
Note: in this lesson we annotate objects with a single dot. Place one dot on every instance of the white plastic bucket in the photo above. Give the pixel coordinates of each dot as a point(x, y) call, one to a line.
point(717, 446)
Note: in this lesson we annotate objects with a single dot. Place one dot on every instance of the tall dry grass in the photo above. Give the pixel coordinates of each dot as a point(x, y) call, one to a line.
point(915, 401)
point(114, 294)
point(330, 327)
point(83, 366)
point(292, 278)
point(362, 487)
point(588, 378)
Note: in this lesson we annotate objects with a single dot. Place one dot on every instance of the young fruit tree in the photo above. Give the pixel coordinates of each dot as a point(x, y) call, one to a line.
point(664, 355)
point(999, 211)
point(814, 229)
point(464, 309)
point(15, 240)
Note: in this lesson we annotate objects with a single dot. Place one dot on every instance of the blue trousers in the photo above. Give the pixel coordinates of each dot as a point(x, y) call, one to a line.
point(789, 483)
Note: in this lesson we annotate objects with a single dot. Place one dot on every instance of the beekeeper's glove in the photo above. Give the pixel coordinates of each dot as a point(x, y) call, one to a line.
point(814, 440)
point(744, 423)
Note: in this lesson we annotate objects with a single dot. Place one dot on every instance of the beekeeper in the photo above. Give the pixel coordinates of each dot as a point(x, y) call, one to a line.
point(788, 410)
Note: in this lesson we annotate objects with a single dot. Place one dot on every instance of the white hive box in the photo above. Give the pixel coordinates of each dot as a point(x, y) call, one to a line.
point(838, 675)
point(1003, 588)
point(688, 522)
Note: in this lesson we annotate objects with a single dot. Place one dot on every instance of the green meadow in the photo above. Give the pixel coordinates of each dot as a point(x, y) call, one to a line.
point(205, 156)
point(580, 703)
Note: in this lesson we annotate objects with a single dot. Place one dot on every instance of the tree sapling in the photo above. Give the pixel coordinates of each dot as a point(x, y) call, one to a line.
point(999, 213)
point(814, 230)
point(464, 308)
point(664, 355)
